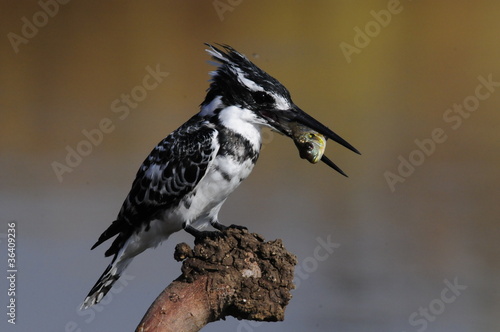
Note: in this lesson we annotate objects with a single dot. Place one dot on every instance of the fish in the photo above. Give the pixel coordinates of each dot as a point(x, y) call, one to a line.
point(310, 143)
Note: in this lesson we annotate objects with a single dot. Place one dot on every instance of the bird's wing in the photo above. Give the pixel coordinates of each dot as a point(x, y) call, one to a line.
point(172, 169)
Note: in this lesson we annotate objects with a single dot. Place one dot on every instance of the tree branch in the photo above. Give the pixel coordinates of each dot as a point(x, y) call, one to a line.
point(237, 275)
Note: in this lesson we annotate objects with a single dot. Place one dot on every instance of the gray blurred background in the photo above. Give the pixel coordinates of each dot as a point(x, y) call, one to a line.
point(401, 236)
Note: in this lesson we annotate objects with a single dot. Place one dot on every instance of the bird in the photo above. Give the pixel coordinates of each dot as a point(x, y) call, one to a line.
point(184, 181)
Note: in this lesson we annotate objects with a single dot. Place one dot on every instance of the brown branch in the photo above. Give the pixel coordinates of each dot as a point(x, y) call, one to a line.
point(236, 275)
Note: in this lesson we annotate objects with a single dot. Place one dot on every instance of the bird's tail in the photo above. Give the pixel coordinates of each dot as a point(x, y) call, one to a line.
point(106, 281)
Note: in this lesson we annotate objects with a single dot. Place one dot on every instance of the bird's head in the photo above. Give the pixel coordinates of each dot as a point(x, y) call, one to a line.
point(238, 82)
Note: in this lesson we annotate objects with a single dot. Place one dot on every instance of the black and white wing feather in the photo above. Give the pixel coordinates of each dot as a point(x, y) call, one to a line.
point(169, 173)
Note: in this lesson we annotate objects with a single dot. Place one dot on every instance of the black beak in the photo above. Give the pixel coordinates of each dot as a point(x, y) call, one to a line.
point(297, 115)
point(307, 120)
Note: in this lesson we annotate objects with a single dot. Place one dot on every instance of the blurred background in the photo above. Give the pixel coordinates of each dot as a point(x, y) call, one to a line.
point(414, 85)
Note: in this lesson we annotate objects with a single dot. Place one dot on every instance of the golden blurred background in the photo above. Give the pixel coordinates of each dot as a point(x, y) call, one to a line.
point(414, 85)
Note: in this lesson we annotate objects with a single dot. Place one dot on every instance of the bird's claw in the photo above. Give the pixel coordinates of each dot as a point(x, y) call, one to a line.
point(241, 228)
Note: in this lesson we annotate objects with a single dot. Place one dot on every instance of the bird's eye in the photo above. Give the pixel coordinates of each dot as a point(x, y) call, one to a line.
point(262, 98)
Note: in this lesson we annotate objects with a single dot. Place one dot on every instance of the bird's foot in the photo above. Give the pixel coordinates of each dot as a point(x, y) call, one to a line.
point(241, 228)
point(222, 227)
point(200, 235)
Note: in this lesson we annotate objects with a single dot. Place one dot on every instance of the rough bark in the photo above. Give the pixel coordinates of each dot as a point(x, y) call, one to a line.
point(237, 274)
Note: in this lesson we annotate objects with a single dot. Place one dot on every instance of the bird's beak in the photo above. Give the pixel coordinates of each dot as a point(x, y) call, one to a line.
point(282, 121)
point(307, 120)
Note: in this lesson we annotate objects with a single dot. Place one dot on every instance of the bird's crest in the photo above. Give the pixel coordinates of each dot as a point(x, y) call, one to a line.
point(237, 78)
point(230, 60)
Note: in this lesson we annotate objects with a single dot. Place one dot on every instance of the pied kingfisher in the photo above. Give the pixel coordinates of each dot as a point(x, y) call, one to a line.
point(184, 181)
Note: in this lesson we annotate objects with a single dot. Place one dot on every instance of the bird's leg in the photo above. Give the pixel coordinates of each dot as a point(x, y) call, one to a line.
point(217, 225)
point(201, 234)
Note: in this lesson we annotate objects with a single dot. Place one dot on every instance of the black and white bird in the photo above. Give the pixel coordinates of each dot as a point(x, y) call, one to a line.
point(184, 181)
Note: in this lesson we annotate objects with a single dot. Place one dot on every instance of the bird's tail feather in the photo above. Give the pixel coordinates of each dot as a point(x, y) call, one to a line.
point(106, 281)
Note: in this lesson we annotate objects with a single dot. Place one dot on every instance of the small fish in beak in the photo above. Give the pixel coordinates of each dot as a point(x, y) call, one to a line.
point(310, 143)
